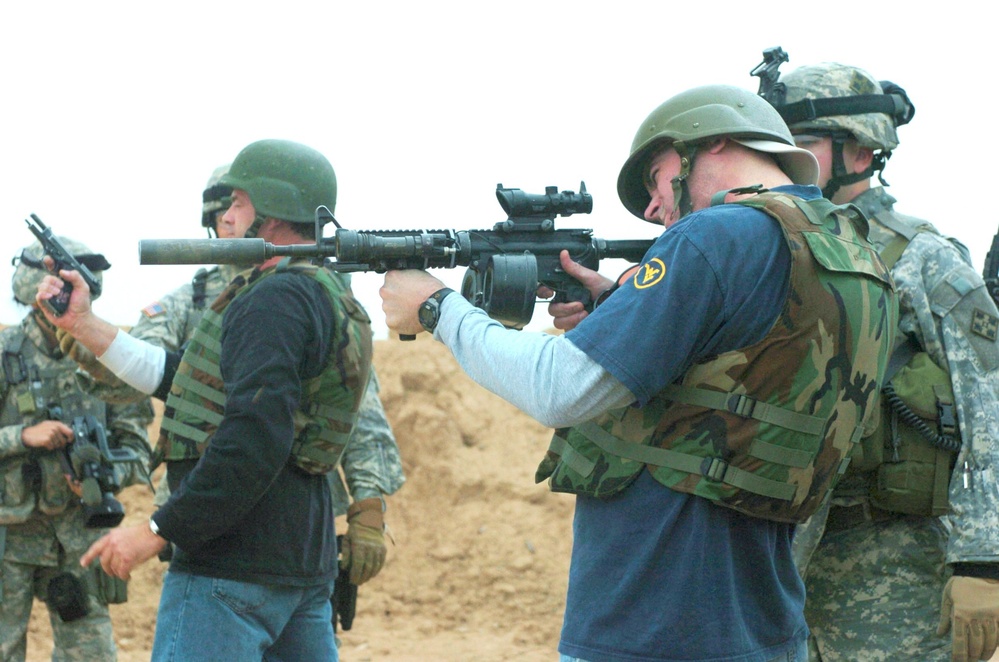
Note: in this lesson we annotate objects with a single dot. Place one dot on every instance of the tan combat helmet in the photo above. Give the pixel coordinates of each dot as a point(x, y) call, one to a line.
point(843, 102)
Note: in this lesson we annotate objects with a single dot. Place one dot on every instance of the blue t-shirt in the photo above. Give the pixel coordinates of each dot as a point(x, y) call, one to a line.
point(658, 575)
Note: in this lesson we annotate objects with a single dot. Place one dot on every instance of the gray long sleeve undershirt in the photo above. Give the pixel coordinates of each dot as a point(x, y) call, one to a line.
point(545, 376)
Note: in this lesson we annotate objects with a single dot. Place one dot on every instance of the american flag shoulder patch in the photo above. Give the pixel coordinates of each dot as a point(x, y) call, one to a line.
point(153, 309)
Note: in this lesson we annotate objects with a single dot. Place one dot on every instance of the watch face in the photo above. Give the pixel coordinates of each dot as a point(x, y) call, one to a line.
point(428, 315)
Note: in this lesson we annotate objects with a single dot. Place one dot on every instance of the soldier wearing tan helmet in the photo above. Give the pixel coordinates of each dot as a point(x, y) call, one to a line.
point(43, 525)
point(708, 403)
point(907, 566)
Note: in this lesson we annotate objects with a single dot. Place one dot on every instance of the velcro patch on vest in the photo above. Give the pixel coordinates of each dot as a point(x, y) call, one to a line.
point(650, 273)
point(154, 309)
point(985, 324)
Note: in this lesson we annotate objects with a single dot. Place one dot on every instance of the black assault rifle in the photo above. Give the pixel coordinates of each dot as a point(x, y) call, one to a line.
point(506, 265)
point(90, 460)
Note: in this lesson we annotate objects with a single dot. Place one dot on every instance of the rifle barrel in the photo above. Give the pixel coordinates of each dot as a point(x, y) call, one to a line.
point(217, 251)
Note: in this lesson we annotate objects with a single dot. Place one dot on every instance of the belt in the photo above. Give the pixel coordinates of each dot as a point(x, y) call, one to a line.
point(846, 517)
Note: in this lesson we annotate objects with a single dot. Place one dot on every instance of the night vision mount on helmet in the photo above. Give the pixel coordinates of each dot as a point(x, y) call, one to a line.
point(840, 101)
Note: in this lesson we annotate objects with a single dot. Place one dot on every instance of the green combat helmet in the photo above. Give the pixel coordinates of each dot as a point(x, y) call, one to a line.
point(285, 180)
point(30, 269)
point(698, 116)
point(215, 199)
point(843, 102)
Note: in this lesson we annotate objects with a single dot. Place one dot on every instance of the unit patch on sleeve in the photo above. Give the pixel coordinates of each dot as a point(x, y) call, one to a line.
point(984, 324)
point(650, 273)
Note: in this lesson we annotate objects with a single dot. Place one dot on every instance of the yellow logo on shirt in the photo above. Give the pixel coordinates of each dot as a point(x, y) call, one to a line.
point(650, 273)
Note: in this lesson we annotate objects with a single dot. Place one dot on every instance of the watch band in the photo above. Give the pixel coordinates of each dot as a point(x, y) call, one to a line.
point(429, 312)
point(439, 295)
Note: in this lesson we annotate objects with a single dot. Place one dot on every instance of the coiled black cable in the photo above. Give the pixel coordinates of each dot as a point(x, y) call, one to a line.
point(911, 418)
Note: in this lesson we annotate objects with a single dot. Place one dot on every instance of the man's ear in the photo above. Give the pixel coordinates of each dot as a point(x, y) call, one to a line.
point(717, 145)
point(863, 159)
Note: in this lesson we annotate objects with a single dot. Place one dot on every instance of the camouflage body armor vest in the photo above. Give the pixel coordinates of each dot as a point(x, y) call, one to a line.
point(38, 388)
point(904, 465)
point(330, 402)
point(767, 429)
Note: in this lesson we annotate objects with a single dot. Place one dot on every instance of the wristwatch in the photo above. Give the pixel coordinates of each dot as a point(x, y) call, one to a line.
point(430, 310)
point(155, 529)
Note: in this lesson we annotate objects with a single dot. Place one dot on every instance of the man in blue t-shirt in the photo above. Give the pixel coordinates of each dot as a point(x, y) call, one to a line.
point(657, 572)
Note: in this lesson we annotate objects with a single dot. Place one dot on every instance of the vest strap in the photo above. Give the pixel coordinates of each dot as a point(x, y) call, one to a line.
point(714, 469)
point(745, 406)
point(572, 458)
point(202, 338)
point(313, 453)
point(334, 437)
point(204, 390)
point(198, 362)
point(183, 430)
point(333, 413)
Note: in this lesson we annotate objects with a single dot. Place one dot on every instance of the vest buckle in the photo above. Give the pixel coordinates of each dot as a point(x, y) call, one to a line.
point(741, 405)
point(714, 469)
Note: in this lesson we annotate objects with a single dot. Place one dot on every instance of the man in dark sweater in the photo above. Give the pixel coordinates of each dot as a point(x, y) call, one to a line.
point(266, 393)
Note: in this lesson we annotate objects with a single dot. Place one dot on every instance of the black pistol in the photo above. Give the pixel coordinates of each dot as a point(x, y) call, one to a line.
point(63, 260)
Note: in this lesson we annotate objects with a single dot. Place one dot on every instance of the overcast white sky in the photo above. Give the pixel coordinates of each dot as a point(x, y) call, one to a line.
point(115, 113)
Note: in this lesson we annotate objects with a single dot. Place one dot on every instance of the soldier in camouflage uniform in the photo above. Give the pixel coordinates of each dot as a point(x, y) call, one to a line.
point(910, 548)
point(709, 401)
point(371, 464)
point(42, 523)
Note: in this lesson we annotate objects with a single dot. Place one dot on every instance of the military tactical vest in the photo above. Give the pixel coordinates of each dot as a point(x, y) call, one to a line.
point(766, 429)
point(906, 462)
point(195, 405)
point(37, 388)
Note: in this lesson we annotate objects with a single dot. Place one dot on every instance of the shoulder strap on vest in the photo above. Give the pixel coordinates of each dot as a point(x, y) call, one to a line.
point(893, 251)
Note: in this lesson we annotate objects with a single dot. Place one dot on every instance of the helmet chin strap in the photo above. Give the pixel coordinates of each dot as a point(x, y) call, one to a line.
point(841, 177)
point(681, 191)
point(251, 232)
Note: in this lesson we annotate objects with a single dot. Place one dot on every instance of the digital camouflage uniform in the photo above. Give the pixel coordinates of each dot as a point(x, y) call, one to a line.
point(371, 463)
point(42, 530)
point(877, 559)
point(874, 589)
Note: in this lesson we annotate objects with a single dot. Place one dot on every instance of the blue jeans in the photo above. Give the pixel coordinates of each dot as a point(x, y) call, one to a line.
point(799, 654)
point(202, 618)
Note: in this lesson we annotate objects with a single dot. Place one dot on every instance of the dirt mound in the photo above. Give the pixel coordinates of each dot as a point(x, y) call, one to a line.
point(478, 568)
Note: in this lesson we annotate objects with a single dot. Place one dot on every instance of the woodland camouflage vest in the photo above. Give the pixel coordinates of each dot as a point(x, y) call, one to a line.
point(765, 430)
point(195, 405)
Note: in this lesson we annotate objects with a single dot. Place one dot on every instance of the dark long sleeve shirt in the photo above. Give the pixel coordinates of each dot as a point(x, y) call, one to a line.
point(244, 512)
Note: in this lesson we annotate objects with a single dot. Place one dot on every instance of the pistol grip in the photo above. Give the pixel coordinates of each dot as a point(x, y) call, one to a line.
point(60, 302)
